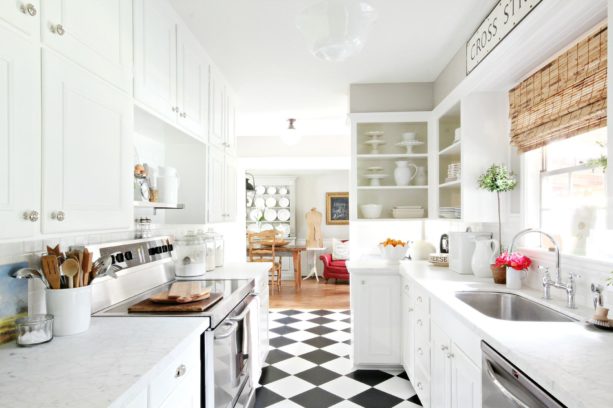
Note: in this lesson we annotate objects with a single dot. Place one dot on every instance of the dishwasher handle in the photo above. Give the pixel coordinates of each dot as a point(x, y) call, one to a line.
point(504, 390)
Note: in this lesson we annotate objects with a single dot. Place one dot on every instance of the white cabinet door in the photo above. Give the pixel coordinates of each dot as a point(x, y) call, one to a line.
point(216, 185)
point(155, 57)
point(96, 34)
point(465, 381)
point(375, 303)
point(230, 120)
point(408, 359)
point(231, 192)
point(87, 139)
point(440, 369)
point(20, 140)
point(216, 108)
point(186, 395)
point(24, 16)
point(192, 83)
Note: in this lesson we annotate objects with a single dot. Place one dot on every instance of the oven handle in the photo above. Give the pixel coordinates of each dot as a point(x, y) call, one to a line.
point(244, 313)
point(505, 391)
point(225, 334)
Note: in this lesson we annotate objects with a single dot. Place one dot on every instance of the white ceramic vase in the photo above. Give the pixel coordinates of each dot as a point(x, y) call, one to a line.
point(403, 174)
point(421, 178)
point(484, 256)
point(514, 278)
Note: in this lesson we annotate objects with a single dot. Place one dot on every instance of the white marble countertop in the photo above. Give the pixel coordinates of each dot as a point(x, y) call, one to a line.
point(573, 361)
point(110, 363)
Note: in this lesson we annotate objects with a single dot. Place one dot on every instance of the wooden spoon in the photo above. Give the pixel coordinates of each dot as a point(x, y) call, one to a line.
point(71, 268)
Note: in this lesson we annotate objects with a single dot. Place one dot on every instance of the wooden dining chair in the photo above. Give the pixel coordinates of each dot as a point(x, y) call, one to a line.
point(261, 248)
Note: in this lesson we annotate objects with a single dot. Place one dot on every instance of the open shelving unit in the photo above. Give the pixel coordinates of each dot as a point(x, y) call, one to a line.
point(449, 152)
point(388, 194)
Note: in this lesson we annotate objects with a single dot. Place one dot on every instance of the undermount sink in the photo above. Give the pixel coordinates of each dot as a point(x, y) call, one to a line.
point(508, 306)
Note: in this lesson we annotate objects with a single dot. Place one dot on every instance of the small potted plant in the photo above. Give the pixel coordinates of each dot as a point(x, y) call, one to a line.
point(518, 265)
point(498, 179)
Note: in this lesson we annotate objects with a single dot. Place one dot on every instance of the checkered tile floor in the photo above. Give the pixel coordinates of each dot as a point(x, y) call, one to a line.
point(308, 366)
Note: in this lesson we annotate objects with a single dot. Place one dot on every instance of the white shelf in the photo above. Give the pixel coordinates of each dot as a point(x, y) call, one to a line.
point(450, 184)
point(158, 206)
point(388, 219)
point(392, 187)
point(451, 150)
point(393, 156)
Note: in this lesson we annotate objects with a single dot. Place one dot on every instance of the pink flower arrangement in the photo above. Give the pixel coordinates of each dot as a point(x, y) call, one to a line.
point(515, 260)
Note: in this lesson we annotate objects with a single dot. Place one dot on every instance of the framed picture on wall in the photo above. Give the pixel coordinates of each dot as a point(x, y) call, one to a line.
point(337, 208)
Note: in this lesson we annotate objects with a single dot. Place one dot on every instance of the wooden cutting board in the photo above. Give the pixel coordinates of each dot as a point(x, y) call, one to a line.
point(148, 306)
point(166, 297)
point(188, 289)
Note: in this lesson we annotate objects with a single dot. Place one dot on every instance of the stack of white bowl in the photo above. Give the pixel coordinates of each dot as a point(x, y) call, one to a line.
point(454, 170)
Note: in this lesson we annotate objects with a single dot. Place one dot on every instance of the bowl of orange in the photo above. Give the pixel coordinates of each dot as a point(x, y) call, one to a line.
point(393, 250)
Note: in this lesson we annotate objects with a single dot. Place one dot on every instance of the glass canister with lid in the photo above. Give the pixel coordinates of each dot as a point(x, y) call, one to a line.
point(219, 247)
point(210, 249)
point(190, 252)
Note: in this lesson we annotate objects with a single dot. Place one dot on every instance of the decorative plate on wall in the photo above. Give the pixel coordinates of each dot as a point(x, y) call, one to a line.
point(259, 190)
point(271, 202)
point(259, 202)
point(283, 215)
point(271, 190)
point(284, 202)
point(270, 214)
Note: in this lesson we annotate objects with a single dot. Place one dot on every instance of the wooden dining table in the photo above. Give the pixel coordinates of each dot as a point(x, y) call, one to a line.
point(295, 251)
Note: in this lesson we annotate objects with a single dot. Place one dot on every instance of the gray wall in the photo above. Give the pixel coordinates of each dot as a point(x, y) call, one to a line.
point(391, 97)
point(451, 76)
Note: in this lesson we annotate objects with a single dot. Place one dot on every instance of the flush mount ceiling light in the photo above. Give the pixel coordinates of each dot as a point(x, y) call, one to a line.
point(291, 136)
point(336, 29)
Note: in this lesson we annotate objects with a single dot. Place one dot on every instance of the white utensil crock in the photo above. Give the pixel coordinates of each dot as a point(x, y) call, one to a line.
point(403, 174)
point(514, 278)
point(168, 188)
point(71, 310)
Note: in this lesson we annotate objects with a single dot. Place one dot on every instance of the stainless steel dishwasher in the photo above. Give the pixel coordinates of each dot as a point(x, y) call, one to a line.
point(504, 385)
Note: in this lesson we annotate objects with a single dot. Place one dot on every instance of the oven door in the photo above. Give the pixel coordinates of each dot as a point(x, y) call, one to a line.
point(227, 368)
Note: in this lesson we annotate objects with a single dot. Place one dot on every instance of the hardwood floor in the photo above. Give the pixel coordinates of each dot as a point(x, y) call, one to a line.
point(313, 295)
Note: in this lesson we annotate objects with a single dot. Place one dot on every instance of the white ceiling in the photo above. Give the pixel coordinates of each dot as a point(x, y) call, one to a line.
point(264, 57)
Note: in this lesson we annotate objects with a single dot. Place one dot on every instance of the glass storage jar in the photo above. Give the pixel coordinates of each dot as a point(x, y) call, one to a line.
point(190, 255)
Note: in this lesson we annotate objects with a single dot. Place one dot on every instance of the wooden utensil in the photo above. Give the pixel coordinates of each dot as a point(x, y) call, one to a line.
point(51, 270)
point(71, 268)
point(54, 251)
point(86, 266)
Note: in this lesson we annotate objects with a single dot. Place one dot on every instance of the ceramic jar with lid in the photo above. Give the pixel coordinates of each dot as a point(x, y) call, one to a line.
point(219, 246)
point(209, 242)
point(190, 255)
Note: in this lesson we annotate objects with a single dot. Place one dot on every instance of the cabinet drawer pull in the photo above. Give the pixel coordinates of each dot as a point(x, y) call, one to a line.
point(443, 348)
point(420, 387)
point(58, 29)
point(420, 351)
point(419, 299)
point(174, 108)
point(181, 370)
point(183, 114)
point(31, 216)
point(28, 9)
point(406, 286)
point(420, 323)
point(411, 309)
point(58, 215)
point(450, 355)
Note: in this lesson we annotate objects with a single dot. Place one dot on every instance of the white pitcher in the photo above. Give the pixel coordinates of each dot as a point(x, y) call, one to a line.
point(484, 255)
point(403, 174)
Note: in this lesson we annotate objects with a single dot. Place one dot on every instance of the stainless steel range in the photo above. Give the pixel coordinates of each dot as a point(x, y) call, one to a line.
point(147, 269)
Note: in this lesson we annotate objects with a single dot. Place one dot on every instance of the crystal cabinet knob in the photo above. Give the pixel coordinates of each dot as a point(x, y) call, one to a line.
point(58, 29)
point(31, 216)
point(58, 215)
point(28, 9)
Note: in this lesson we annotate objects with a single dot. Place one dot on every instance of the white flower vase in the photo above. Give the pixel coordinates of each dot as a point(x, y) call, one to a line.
point(403, 174)
point(515, 278)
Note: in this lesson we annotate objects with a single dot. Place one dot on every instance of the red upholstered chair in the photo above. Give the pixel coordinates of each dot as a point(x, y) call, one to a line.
point(334, 269)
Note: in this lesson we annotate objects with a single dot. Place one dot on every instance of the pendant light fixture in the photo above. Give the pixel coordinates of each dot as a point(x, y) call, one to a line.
point(291, 136)
point(336, 29)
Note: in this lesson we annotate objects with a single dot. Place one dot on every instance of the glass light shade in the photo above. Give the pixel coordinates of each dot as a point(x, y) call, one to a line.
point(336, 29)
point(291, 136)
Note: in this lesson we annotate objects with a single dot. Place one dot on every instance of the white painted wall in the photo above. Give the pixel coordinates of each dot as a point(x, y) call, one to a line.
point(309, 146)
point(391, 97)
point(311, 192)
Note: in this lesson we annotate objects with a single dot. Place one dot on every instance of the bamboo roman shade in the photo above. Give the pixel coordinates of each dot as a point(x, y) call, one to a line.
point(565, 98)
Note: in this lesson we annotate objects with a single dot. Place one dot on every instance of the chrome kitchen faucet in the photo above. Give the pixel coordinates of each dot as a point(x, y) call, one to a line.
point(570, 287)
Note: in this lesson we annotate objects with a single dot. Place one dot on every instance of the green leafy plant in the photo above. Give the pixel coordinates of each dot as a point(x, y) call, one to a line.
point(600, 162)
point(610, 279)
point(497, 179)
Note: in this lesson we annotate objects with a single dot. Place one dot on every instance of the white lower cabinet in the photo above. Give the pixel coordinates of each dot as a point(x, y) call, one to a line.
point(440, 369)
point(465, 380)
point(23, 16)
point(407, 315)
point(87, 150)
point(375, 308)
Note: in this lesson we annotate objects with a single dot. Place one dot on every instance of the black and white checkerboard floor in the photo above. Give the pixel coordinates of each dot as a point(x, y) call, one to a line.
point(308, 366)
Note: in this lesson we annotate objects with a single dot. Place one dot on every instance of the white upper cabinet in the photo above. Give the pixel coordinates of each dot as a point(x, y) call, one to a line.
point(231, 190)
point(216, 185)
point(24, 16)
point(96, 34)
point(230, 133)
point(19, 136)
point(87, 139)
point(192, 83)
point(216, 108)
point(155, 61)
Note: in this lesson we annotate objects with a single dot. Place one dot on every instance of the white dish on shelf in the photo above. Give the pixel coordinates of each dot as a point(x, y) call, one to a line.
point(375, 179)
point(270, 214)
point(259, 202)
point(284, 215)
point(271, 190)
point(266, 227)
point(271, 202)
point(255, 214)
point(375, 133)
point(283, 190)
point(409, 144)
point(408, 213)
point(284, 202)
point(283, 229)
point(407, 136)
point(253, 228)
point(373, 142)
point(375, 169)
point(371, 211)
point(457, 135)
point(259, 190)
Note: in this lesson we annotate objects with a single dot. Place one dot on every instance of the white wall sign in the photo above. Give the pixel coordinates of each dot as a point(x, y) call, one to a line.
point(503, 18)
